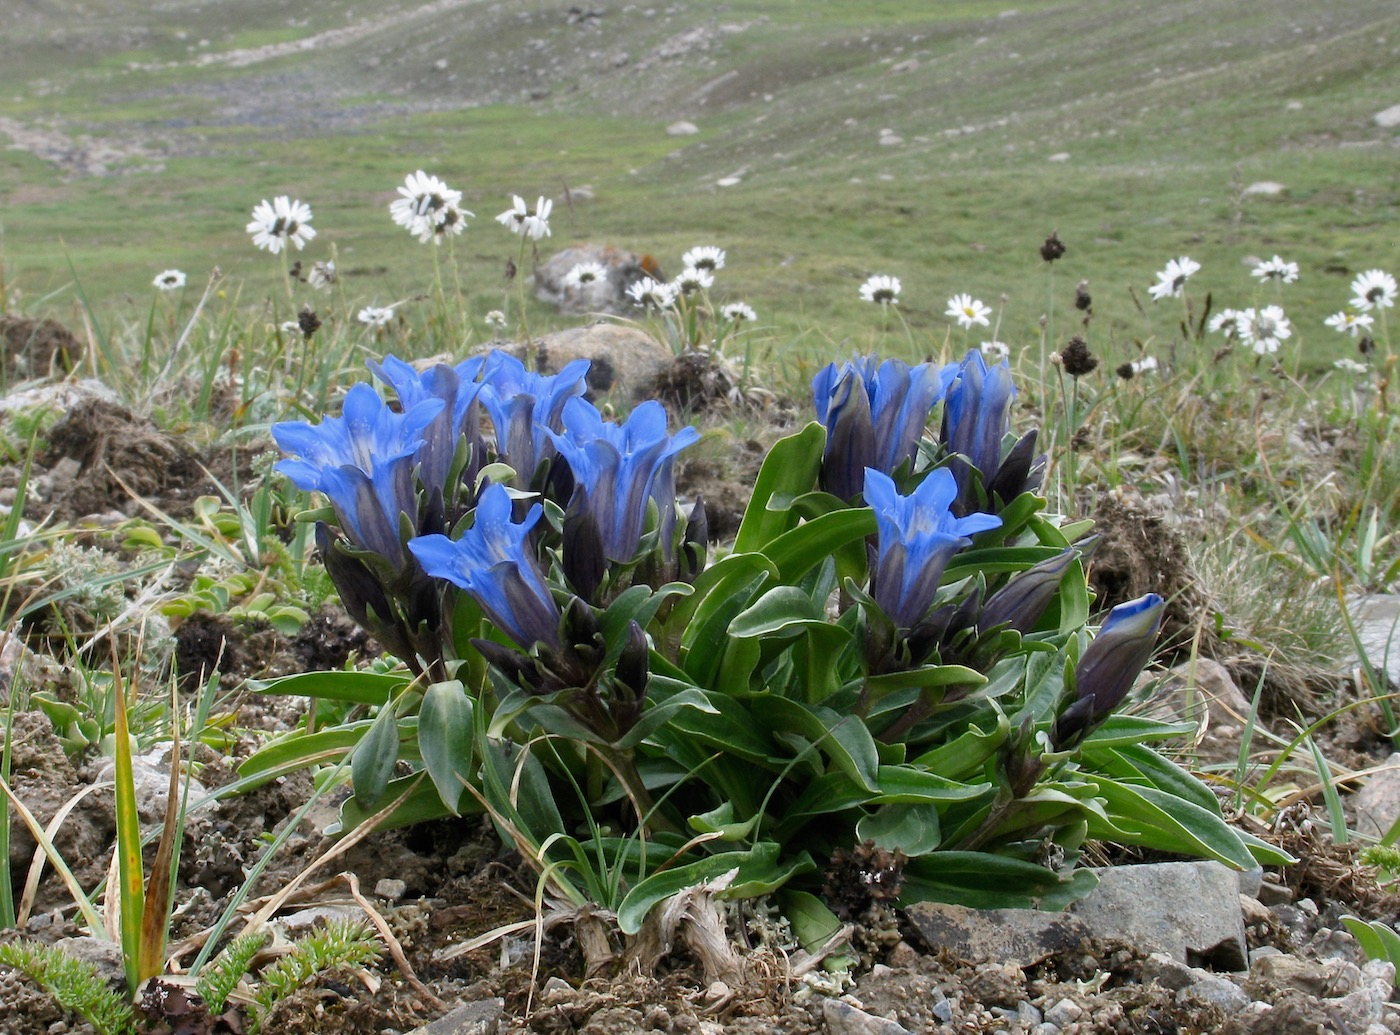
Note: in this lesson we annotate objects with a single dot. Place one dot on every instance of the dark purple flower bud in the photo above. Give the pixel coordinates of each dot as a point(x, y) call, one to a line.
point(362, 593)
point(1109, 666)
point(582, 551)
point(1021, 471)
point(633, 664)
point(940, 627)
point(695, 543)
point(1019, 604)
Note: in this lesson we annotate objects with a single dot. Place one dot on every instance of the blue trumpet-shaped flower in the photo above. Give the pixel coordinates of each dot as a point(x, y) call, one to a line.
point(1109, 666)
point(494, 563)
point(525, 407)
point(976, 418)
point(916, 535)
point(456, 387)
point(618, 468)
point(363, 461)
point(874, 416)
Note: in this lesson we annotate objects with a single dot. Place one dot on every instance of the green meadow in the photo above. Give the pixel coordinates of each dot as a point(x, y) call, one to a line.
point(1133, 129)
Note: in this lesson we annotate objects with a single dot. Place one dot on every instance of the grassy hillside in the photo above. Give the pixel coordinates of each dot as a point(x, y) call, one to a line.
point(939, 142)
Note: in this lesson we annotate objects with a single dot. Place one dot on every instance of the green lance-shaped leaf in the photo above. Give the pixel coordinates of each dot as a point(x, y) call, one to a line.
point(760, 871)
point(352, 687)
point(373, 761)
point(789, 471)
point(445, 739)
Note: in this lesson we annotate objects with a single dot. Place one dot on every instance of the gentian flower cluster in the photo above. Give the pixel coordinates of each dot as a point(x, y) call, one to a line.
point(410, 478)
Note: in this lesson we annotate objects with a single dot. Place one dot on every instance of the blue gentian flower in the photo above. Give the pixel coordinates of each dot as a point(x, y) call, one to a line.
point(916, 535)
point(494, 563)
point(456, 387)
point(976, 418)
point(525, 407)
point(363, 461)
point(874, 416)
point(617, 468)
point(1109, 666)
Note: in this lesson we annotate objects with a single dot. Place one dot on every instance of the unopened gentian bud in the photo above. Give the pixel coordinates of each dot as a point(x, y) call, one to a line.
point(1109, 666)
point(1019, 604)
point(582, 556)
point(1021, 471)
point(695, 542)
point(633, 665)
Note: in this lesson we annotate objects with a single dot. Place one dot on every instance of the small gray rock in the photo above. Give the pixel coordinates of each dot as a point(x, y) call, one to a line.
point(682, 129)
point(391, 888)
point(1019, 936)
point(481, 1017)
point(1212, 988)
point(1274, 893)
point(1389, 118)
point(844, 1019)
point(1163, 970)
point(1063, 1013)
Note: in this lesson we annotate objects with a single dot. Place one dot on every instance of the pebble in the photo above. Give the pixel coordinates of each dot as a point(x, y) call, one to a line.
point(391, 888)
point(1212, 988)
point(1066, 1011)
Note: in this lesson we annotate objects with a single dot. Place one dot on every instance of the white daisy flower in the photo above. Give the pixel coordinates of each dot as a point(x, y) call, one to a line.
point(1145, 365)
point(586, 273)
point(650, 292)
point(1350, 323)
point(995, 351)
point(518, 219)
point(429, 208)
point(279, 221)
point(375, 316)
point(693, 279)
point(322, 274)
point(1276, 269)
point(1350, 366)
point(881, 289)
point(169, 280)
point(705, 257)
point(1374, 289)
point(1226, 322)
point(1172, 280)
point(1264, 331)
point(739, 312)
point(495, 318)
point(968, 311)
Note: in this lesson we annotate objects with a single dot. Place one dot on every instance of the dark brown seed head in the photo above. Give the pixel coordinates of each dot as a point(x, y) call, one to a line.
point(1053, 247)
point(1077, 358)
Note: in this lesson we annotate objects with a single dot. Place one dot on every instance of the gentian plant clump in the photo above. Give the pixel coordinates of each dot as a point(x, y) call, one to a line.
point(895, 649)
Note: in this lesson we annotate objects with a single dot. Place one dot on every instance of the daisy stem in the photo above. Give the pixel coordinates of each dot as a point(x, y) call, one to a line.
point(437, 281)
point(524, 317)
point(287, 277)
point(908, 334)
point(456, 280)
